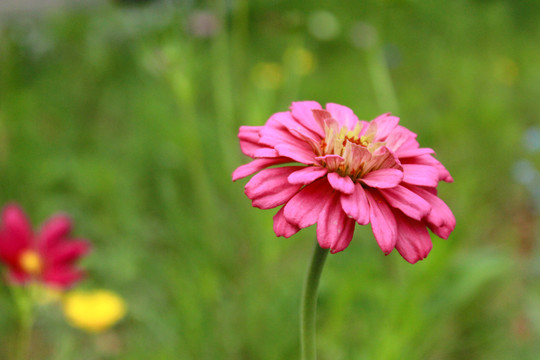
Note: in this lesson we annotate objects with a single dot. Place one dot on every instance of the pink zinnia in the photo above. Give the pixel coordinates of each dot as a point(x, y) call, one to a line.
point(348, 171)
point(46, 257)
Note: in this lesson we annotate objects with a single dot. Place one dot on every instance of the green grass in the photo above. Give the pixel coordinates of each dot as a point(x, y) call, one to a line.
point(121, 118)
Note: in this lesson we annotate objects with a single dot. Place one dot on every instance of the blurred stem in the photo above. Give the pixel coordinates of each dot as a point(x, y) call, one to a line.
point(23, 301)
point(381, 80)
point(223, 88)
point(308, 308)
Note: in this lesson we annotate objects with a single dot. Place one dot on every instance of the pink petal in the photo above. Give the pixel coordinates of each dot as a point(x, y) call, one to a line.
point(53, 231)
point(330, 161)
point(423, 175)
point(440, 220)
point(413, 241)
point(343, 184)
point(303, 209)
point(321, 117)
point(334, 228)
point(16, 226)
point(343, 115)
point(249, 139)
point(62, 276)
point(302, 154)
point(383, 222)
point(68, 252)
point(275, 131)
point(383, 178)
point(401, 139)
point(356, 205)
point(302, 111)
point(307, 175)
point(429, 160)
point(256, 165)
point(407, 201)
point(414, 152)
point(282, 227)
point(270, 187)
point(386, 123)
point(265, 152)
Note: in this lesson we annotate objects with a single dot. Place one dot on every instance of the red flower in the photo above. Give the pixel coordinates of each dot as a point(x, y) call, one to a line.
point(47, 256)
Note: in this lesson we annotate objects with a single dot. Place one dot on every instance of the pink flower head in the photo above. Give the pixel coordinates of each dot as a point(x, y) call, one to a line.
point(47, 256)
point(347, 171)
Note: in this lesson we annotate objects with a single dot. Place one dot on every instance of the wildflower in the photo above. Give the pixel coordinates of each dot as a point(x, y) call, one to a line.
point(348, 172)
point(47, 256)
point(93, 311)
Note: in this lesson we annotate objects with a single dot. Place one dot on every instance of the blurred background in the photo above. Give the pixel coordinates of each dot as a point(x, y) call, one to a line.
point(125, 114)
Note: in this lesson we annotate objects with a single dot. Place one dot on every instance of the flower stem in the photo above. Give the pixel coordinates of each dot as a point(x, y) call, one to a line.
point(24, 305)
point(309, 303)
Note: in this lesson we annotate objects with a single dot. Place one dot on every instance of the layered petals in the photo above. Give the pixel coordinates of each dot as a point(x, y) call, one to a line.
point(271, 188)
point(345, 171)
point(334, 228)
point(356, 205)
point(383, 222)
point(307, 175)
point(303, 208)
point(413, 241)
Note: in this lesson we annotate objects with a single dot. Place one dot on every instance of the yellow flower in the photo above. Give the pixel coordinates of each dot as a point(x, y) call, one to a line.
point(93, 311)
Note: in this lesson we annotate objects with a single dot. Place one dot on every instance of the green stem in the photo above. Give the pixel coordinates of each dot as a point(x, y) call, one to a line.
point(309, 303)
point(23, 301)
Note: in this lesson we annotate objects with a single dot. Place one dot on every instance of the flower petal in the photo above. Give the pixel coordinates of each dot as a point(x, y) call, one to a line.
point(408, 202)
point(344, 115)
point(307, 175)
point(343, 184)
point(303, 209)
point(331, 161)
point(16, 225)
point(386, 123)
point(440, 219)
point(68, 252)
point(334, 228)
point(423, 175)
point(383, 178)
point(302, 154)
point(383, 222)
point(414, 152)
point(413, 241)
point(356, 204)
point(53, 231)
point(62, 276)
point(302, 111)
point(249, 139)
point(256, 165)
point(282, 227)
point(270, 187)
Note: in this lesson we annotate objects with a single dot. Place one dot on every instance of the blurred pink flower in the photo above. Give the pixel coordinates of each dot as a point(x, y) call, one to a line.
point(349, 172)
point(47, 256)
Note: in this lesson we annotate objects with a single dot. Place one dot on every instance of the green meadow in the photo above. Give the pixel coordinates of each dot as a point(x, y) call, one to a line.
point(125, 116)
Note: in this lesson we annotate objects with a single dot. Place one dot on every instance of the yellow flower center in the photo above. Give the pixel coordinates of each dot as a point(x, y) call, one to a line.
point(93, 311)
point(358, 152)
point(31, 262)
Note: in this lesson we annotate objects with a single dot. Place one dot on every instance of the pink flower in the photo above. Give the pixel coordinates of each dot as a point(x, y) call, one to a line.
point(47, 256)
point(347, 171)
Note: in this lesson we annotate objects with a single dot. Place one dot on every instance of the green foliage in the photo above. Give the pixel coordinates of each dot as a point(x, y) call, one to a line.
point(126, 119)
